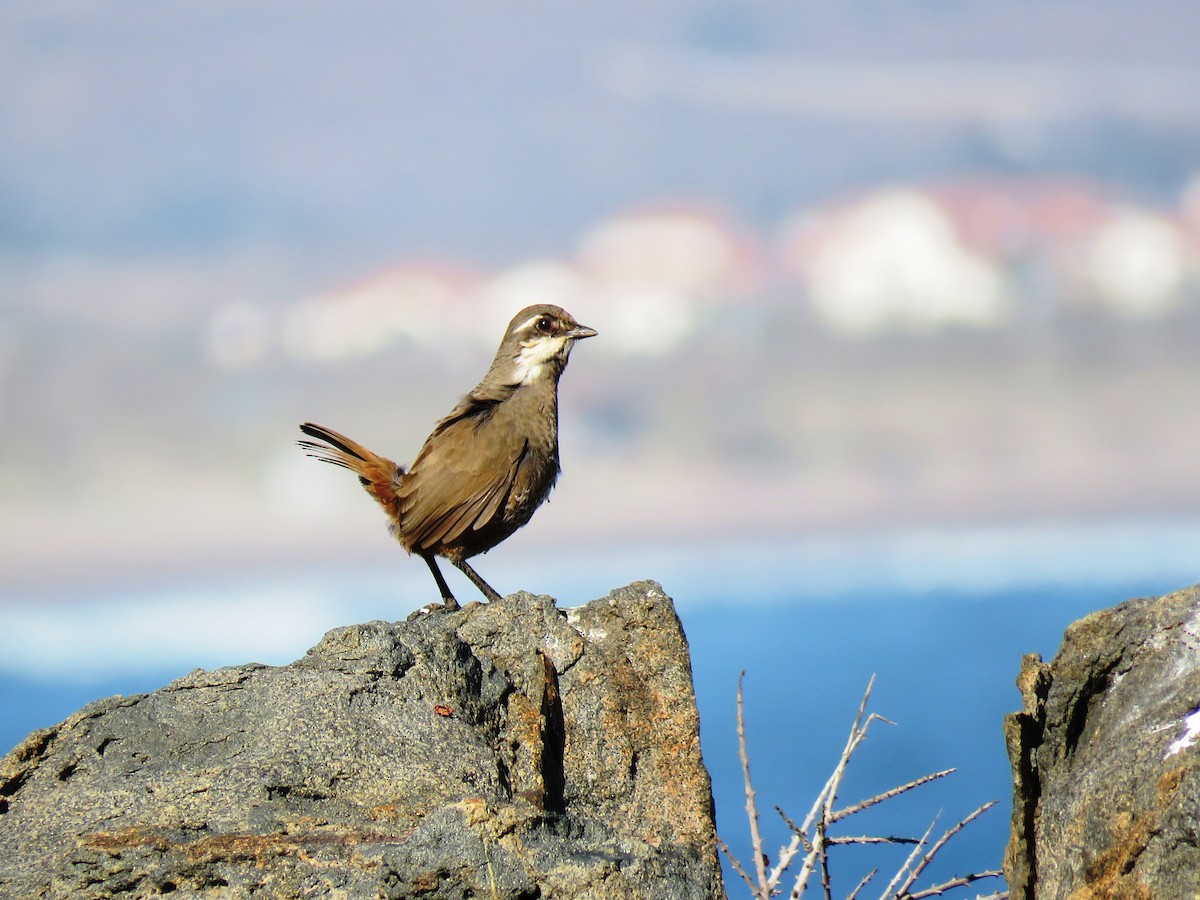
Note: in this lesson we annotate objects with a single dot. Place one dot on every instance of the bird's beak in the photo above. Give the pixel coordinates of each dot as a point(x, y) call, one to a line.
point(581, 331)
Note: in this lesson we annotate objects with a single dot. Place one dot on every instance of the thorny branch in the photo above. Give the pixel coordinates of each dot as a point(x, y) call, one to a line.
point(760, 866)
point(812, 835)
point(889, 794)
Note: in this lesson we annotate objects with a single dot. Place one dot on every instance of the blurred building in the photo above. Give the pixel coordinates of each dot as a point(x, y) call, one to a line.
point(984, 253)
point(892, 260)
point(1138, 264)
point(655, 274)
point(525, 284)
point(421, 303)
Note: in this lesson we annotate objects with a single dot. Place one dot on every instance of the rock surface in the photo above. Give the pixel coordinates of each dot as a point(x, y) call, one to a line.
point(510, 750)
point(1106, 758)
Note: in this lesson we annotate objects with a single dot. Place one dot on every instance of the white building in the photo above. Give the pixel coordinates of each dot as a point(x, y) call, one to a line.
point(425, 304)
point(892, 260)
point(1138, 263)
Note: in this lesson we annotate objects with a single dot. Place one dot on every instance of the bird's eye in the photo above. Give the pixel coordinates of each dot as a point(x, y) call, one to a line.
point(544, 325)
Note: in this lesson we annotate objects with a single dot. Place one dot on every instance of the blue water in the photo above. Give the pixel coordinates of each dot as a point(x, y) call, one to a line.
point(944, 667)
point(940, 620)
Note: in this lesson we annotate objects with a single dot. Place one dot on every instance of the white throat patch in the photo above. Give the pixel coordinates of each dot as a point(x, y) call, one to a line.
point(533, 357)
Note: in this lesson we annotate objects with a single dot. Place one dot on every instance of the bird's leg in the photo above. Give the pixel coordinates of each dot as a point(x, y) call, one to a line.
point(465, 568)
point(447, 598)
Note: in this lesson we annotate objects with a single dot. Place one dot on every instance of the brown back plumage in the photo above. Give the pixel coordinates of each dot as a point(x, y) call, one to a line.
point(482, 473)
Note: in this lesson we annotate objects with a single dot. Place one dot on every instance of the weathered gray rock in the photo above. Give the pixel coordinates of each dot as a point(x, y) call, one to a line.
point(510, 750)
point(1106, 761)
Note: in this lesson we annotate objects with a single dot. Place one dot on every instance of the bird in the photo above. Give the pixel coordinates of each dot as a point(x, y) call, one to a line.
point(487, 466)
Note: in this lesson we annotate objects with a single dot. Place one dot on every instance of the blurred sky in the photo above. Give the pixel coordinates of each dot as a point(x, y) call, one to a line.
point(189, 191)
point(375, 129)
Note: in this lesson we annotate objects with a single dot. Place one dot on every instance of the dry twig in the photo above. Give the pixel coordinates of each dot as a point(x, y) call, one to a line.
point(759, 887)
point(889, 794)
point(961, 881)
point(866, 879)
point(865, 839)
point(891, 890)
point(760, 868)
point(737, 866)
point(916, 871)
point(812, 835)
point(858, 731)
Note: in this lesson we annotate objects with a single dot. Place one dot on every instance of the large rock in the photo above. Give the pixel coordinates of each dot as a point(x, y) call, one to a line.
point(1106, 758)
point(510, 750)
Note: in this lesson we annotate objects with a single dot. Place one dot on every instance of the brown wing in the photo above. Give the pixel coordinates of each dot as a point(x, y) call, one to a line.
point(461, 478)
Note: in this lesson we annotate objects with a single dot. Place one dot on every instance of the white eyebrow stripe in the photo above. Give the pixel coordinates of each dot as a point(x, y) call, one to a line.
point(528, 323)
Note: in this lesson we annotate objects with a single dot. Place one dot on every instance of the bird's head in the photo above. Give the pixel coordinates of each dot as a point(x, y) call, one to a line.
point(538, 342)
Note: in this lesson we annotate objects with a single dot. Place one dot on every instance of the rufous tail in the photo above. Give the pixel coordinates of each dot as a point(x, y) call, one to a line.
point(379, 476)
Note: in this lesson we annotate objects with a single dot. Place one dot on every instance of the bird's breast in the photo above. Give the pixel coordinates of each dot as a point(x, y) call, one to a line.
point(535, 477)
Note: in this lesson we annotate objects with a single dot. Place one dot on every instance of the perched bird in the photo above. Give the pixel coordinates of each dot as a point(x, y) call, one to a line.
point(488, 464)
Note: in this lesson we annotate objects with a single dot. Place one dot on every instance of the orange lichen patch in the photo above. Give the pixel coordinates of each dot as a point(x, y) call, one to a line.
point(475, 810)
point(126, 839)
point(387, 812)
point(1168, 784)
point(215, 847)
point(1111, 876)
